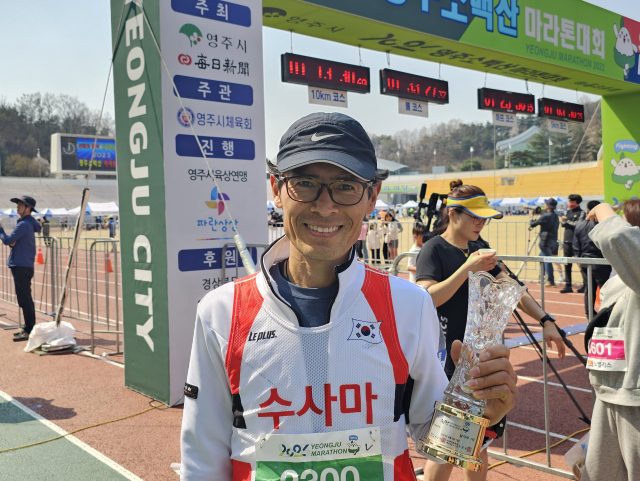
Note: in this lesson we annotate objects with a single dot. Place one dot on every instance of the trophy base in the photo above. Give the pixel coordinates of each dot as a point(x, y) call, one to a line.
point(455, 436)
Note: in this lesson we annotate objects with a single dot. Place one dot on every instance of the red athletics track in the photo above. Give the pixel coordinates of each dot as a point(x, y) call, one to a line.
point(76, 391)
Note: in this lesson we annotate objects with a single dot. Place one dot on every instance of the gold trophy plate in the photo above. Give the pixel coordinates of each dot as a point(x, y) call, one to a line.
point(455, 436)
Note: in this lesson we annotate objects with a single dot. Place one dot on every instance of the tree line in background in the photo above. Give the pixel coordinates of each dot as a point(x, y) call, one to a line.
point(27, 124)
point(453, 140)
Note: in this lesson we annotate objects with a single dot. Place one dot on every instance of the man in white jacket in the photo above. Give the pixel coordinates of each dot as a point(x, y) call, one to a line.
point(316, 365)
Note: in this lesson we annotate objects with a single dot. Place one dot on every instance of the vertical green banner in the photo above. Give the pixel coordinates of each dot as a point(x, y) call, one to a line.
point(621, 141)
point(202, 96)
point(138, 112)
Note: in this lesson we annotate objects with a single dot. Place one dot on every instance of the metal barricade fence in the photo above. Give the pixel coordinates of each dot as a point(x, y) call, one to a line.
point(589, 264)
point(89, 298)
point(105, 306)
point(44, 284)
point(510, 236)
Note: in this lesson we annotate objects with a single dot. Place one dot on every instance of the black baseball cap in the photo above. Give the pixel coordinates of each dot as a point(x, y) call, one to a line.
point(551, 202)
point(328, 137)
point(25, 199)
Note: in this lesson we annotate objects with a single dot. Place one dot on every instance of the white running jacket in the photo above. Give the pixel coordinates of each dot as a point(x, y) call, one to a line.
point(255, 371)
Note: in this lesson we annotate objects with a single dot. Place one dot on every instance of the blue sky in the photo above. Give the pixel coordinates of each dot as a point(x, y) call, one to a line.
point(65, 47)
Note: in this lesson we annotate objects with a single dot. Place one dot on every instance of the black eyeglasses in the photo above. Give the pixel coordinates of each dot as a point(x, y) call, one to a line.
point(342, 192)
point(478, 221)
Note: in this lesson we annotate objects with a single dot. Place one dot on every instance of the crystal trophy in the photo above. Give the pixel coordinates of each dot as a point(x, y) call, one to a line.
point(457, 428)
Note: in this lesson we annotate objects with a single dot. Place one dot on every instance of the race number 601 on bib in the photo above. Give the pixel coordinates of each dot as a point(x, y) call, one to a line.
point(606, 350)
point(353, 455)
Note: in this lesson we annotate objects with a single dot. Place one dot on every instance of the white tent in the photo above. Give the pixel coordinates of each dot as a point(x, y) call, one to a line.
point(102, 208)
point(9, 212)
point(412, 204)
point(540, 200)
point(53, 212)
point(270, 205)
point(381, 205)
point(510, 201)
point(59, 212)
point(76, 211)
point(96, 208)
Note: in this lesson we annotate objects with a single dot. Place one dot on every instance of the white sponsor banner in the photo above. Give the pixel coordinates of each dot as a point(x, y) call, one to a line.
point(558, 127)
point(333, 98)
point(413, 107)
point(214, 53)
point(504, 120)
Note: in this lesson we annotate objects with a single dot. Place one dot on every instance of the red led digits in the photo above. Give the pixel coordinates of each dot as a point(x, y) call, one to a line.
point(500, 101)
point(413, 87)
point(563, 111)
point(354, 78)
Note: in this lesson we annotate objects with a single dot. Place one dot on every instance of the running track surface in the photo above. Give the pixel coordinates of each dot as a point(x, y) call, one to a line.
point(73, 391)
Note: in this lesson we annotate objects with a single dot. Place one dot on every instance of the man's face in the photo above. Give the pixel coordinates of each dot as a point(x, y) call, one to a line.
point(303, 220)
point(572, 204)
point(22, 209)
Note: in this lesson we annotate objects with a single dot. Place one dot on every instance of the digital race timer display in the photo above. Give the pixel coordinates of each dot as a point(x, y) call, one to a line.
point(325, 73)
point(415, 87)
point(500, 101)
point(557, 110)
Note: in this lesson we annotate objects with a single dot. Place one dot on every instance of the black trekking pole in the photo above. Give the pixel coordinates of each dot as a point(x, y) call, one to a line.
point(523, 325)
point(561, 331)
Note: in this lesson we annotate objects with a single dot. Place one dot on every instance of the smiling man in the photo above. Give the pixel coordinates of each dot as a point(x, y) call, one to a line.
point(316, 365)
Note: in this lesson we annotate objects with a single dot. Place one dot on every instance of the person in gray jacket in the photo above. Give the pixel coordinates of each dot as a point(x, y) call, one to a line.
point(614, 444)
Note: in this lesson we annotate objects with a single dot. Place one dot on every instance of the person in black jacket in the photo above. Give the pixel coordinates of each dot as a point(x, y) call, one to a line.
point(549, 223)
point(574, 216)
point(583, 246)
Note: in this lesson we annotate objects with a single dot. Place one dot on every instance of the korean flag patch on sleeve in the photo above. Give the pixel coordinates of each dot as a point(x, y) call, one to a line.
point(365, 331)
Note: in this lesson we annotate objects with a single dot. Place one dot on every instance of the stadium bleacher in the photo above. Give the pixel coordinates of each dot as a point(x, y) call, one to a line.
point(56, 193)
point(584, 179)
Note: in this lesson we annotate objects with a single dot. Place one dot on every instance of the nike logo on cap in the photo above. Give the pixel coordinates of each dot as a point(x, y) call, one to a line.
point(315, 137)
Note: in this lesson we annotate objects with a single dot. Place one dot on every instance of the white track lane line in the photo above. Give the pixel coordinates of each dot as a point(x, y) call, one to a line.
point(548, 350)
point(540, 431)
point(96, 454)
point(119, 364)
point(549, 290)
point(530, 379)
point(547, 301)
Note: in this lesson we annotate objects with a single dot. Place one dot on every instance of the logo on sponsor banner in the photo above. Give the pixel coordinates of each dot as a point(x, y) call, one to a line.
point(68, 148)
point(365, 331)
point(193, 33)
point(352, 446)
point(217, 200)
point(186, 116)
point(184, 59)
point(272, 12)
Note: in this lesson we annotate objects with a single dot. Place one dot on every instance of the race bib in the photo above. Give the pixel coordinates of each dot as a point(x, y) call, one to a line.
point(352, 455)
point(606, 350)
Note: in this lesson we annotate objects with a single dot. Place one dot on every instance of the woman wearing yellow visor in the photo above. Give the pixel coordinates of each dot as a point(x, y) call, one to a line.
point(443, 267)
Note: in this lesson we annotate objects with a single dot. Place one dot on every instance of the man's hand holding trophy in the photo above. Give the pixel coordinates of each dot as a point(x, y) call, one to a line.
point(483, 387)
